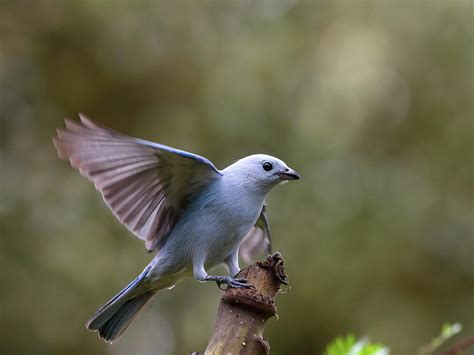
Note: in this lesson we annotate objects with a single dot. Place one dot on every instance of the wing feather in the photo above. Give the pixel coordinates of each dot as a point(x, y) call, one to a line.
point(146, 185)
point(258, 239)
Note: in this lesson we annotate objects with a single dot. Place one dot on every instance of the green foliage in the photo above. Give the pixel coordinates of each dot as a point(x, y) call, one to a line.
point(349, 345)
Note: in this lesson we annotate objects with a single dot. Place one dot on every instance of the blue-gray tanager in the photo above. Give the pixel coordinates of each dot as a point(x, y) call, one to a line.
point(192, 214)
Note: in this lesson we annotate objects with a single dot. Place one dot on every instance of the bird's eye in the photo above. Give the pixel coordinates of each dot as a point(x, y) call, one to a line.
point(267, 166)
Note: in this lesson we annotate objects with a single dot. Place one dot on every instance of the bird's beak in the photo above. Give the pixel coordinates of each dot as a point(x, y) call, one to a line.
point(288, 174)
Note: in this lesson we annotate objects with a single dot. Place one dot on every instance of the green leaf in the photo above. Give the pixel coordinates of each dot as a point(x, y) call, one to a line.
point(350, 346)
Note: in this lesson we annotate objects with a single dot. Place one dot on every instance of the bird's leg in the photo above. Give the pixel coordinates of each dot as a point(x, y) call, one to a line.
point(232, 262)
point(201, 275)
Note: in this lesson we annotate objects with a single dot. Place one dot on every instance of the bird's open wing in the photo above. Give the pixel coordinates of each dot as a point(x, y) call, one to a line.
point(145, 184)
point(258, 240)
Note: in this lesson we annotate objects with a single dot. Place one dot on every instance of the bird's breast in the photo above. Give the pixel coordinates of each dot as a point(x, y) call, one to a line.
point(216, 222)
point(238, 210)
point(225, 216)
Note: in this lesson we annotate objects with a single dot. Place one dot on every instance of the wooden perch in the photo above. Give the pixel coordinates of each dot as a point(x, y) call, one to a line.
point(243, 312)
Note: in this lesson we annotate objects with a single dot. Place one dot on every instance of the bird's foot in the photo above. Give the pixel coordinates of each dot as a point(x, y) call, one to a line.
point(230, 281)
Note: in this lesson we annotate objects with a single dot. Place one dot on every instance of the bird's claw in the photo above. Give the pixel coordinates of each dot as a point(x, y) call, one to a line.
point(230, 282)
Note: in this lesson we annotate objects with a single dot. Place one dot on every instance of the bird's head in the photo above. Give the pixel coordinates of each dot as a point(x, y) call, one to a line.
point(261, 170)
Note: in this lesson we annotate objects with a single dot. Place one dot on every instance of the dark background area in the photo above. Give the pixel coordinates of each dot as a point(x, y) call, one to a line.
point(371, 101)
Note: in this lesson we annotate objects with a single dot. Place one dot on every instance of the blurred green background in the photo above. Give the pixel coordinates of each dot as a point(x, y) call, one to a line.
point(370, 101)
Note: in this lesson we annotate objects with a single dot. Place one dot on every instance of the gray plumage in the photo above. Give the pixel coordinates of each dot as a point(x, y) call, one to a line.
point(185, 209)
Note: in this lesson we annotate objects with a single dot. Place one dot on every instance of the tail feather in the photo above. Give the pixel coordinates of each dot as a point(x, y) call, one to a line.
point(115, 316)
point(113, 328)
point(104, 312)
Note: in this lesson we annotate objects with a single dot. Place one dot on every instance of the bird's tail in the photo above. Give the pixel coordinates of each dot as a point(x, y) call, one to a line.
point(111, 320)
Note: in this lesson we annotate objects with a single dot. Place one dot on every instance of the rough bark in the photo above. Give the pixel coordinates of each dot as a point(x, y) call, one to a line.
point(243, 313)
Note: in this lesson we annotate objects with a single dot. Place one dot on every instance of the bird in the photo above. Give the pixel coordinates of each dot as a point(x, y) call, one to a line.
point(191, 214)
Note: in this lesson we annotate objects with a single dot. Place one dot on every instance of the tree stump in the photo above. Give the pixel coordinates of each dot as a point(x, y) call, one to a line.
point(243, 312)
